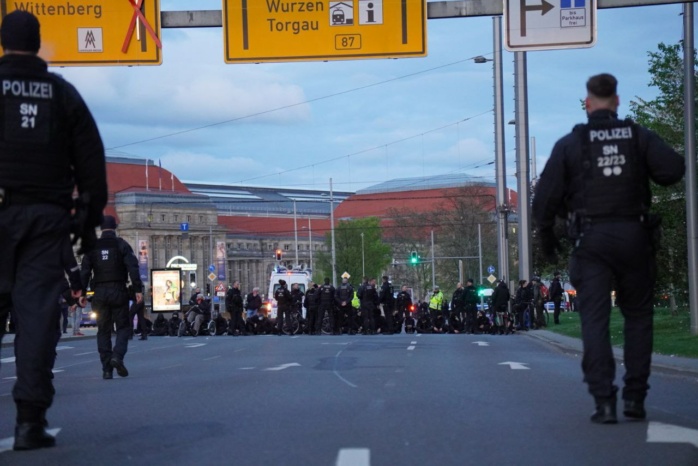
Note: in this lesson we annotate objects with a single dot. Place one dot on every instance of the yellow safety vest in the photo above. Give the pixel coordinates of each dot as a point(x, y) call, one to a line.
point(355, 303)
point(436, 300)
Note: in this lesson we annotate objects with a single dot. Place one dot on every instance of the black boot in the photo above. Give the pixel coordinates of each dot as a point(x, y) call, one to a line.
point(32, 435)
point(634, 410)
point(605, 412)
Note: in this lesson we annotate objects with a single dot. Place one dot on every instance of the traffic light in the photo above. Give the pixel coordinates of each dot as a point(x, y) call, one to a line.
point(208, 289)
point(414, 258)
point(278, 254)
point(481, 292)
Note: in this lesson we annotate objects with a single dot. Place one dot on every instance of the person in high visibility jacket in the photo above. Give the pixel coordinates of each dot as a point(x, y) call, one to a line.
point(435, 302)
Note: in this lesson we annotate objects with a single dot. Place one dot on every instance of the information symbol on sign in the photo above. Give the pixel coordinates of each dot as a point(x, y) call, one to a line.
point(370, 12)
point(184, 226)
point(490, 269)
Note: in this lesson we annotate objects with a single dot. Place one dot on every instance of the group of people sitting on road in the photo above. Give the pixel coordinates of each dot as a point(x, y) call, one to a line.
point(368, 310)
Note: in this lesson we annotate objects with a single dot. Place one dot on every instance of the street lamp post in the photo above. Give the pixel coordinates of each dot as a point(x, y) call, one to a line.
point(500, 161)
point(310, 241)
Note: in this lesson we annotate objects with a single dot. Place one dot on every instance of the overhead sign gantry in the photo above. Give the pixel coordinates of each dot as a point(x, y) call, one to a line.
point(96, 32)
point(281, 31)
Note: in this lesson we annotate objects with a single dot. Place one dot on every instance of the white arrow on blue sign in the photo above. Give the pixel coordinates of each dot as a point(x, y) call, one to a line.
point(490, 269)
point(211, 268)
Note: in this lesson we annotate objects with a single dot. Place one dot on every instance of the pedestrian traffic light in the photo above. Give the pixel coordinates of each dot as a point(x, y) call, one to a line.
point(278, 254)
point(414, 258)
point(208, 288)
point(481, 292)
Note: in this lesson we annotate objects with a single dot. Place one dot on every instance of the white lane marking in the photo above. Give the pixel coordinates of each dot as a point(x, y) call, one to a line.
point(246, 368)
point(337, 374)
point(335, 344)
point(8, 360)
point(354, 457)
point(413, 343)
point(213, 357)
point(6, 443)
point(239, 349)
point(658, 432)
point(195, 345)
point(83, 354)
point(61, 348)
point(481, 343)
point(56, 371)
point(295, 336)
point(515, 365)
point(411, 347)
point(282, 367)
point(170, 367)
point(10, 378)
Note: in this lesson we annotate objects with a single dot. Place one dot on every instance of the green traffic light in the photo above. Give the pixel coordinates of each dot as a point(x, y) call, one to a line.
point(414, 258)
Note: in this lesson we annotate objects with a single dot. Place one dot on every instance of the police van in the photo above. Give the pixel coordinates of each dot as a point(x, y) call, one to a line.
point(302, 277)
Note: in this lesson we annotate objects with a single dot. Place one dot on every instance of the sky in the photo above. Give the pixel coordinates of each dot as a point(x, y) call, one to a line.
point(356, 122)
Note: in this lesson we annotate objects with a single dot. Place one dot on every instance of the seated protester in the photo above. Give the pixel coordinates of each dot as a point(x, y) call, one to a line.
point(381, 324)
point(424, 322)
point(198, 314)
point(159, 326)
point(482, 323)
point(439, 324)
point(397, 322)
point(258, 325)
point(173, 324)
point(222, 325)
point(454, 323)
point(410, 324)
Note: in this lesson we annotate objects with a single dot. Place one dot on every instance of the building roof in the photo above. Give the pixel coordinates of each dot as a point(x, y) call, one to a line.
point(129, 175)
point(451, 180)
point(235, 200)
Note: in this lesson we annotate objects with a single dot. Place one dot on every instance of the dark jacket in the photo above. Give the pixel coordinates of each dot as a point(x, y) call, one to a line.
point(500, 297)
point(233, 300)
point(66, 148)
point(128, 263)
point(253, 302)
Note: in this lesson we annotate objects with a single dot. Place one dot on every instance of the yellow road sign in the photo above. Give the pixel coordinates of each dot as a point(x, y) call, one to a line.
point(292, 30)
point(96, 32)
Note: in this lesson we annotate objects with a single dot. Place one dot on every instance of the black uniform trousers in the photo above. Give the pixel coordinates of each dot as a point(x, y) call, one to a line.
point(618, 253)
point(236, 322)
point(312, 314)
point(347, 314)
point(138, 310)
point(32, 240)
point(110, 301)
point(322, 309)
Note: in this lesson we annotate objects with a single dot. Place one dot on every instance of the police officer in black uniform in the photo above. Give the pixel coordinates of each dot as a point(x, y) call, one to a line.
point(105, 270)
point(368, 295)
point(283, 305)
point(49, 143)
point(598, 176)
point(388, 301)
point(470, 298)
point(311, 304)
point(343, 296)
point(327, 293)
point(235, 306)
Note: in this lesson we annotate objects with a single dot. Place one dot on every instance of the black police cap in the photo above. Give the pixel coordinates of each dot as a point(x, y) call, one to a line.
point(20, 32)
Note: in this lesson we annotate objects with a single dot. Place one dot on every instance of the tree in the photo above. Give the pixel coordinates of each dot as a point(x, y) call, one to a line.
point(374, 258)
point(665, 116)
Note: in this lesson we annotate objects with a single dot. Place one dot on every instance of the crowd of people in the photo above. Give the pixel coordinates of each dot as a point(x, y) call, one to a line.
point(368, 310)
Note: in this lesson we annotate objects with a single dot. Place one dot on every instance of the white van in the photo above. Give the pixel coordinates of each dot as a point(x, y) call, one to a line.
point(302, 277)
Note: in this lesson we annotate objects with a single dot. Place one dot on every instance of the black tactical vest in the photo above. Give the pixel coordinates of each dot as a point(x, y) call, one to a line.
point(613, 180)
point(107, 262)
point(326, 295)
point(32, 122)
point(345, 292)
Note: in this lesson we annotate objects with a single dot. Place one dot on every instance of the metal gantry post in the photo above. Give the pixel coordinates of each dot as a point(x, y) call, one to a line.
point(500, 155)
point(522, 163)
point(690, 149)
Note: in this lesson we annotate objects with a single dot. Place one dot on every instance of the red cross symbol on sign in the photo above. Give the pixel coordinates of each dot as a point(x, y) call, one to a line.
point(136, 5)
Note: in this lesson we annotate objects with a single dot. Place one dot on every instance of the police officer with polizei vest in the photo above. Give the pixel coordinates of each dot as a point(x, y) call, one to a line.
point(343, 296)
point(105, 270)
point(283, 305)
point(598, 176)
point(49, 144)
point(470, 298)
point(368, 295)
point(387, 300)
point(311, 304)
point(326, 299)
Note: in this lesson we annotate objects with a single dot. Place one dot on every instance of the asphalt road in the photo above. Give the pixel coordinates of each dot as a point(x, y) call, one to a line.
point(346, 401)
